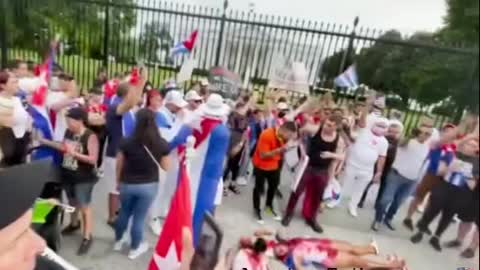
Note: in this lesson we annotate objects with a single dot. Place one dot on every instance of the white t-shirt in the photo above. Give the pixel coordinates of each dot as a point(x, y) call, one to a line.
point(366, 150)
point(60, 118)
point(372, 118)
point(410, 159)
point(21, 119)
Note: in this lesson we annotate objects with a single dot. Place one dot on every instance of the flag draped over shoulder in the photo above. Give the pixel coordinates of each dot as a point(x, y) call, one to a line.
point(212, 139)
point(348, 78)
point(168, 253)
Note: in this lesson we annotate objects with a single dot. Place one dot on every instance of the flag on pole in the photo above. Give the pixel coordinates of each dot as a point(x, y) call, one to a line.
point(348, 78)
point(185, 47)
point(168, 253)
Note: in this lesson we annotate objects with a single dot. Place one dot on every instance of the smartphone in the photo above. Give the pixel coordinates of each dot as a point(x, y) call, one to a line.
point(206, 253)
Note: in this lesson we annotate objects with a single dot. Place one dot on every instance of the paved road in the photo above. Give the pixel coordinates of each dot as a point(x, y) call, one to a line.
point(236, 219)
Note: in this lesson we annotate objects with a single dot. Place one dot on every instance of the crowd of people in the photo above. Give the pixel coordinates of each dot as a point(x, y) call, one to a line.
point(121, 132)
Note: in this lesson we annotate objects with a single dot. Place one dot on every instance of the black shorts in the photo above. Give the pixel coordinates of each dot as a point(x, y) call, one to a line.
point(470, 213)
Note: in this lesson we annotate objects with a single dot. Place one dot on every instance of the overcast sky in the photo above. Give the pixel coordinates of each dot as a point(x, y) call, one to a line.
point(405, 15)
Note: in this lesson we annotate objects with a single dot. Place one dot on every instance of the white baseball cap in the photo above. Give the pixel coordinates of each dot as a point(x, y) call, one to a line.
point(282, 106)
point(204, 82)
point(192, 95)
point(176, 98)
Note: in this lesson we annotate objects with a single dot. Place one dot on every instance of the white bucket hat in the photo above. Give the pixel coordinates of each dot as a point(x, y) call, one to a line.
point(215, 106)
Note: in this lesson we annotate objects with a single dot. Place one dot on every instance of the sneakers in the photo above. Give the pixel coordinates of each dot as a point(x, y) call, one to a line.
point(453, 244)
point(417, 238)
point(315, 226)
point(233, 189)
point(258, 216)
point(468, 253)
point(242, 181)
point(409, 224)
point(119, 244)
point(389, 225)
point(435, 243)
point(286, 220)
point(272, 212)
point(84, 246)
point(375, 226)
point(135, 253)
point(353, 211)
point(70, 229)
point(156, 226)
point(374, 245)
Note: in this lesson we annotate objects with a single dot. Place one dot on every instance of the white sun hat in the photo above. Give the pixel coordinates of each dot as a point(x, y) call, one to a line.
point(215, 106)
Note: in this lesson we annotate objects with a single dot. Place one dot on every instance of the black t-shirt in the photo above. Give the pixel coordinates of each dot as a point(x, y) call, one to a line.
point(139, 167)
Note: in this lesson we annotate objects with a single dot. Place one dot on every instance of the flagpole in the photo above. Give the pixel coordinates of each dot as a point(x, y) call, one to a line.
point(189, 152)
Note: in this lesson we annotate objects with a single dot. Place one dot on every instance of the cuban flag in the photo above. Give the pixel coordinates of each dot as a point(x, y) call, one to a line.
point(40, 115)
point(212, 138)
point(348, 78)
point(185, 47)
point(110, 91)
point(168, 253)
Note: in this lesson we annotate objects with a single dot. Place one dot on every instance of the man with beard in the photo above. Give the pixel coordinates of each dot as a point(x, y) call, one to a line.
point(393, 135)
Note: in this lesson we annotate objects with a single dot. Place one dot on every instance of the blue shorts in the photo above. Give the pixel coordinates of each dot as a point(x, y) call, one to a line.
point(79, 194)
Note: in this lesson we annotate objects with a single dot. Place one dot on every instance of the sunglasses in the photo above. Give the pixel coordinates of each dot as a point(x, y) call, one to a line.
point(426, 133)
point(198, 101)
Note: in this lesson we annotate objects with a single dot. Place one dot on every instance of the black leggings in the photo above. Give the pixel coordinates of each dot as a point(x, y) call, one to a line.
point(446, 199)
point(273, 180)
point(233, 166)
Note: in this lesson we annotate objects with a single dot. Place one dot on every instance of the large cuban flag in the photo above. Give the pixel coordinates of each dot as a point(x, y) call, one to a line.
point(212, 138)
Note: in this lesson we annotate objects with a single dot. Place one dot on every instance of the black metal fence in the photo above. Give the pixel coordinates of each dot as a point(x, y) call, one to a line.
point(116, 34)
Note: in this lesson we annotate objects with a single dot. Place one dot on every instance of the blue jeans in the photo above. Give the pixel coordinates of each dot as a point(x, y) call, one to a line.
point(135, 201)
point(397, 190)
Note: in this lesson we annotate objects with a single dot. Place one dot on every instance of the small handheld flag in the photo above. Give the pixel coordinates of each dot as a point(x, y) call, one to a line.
point(185, 47)
point(348, 78)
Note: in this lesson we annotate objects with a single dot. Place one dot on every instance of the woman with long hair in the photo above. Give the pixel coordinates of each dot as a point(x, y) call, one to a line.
point(138, 162)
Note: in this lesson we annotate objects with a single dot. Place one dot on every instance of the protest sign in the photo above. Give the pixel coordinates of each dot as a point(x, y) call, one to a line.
point(225, 82)
point(289, 75)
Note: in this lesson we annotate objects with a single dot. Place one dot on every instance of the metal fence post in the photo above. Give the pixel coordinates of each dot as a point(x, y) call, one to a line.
point(3, 33)
point(106, 34)
point(350, 46)
point(220, 38)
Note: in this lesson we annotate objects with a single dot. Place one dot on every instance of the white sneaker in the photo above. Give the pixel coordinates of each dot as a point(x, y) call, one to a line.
point(119, 244)
point(156, 226)
point(242, 181)
point(133, 254)
point(353, 211)
point(374, 244)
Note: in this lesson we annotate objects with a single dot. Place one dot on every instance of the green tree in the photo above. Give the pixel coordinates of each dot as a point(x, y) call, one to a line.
point(462, 22)
point(33, 23)
point(156, 41)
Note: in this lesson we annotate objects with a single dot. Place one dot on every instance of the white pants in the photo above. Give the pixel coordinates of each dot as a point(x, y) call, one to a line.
point(354, 181)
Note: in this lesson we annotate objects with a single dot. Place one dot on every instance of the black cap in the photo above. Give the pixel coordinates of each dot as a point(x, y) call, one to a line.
point(78, 113)
point(20, 186)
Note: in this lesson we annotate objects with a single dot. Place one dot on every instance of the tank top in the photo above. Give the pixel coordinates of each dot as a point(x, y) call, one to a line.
point(316, 147)
point(74, 170)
